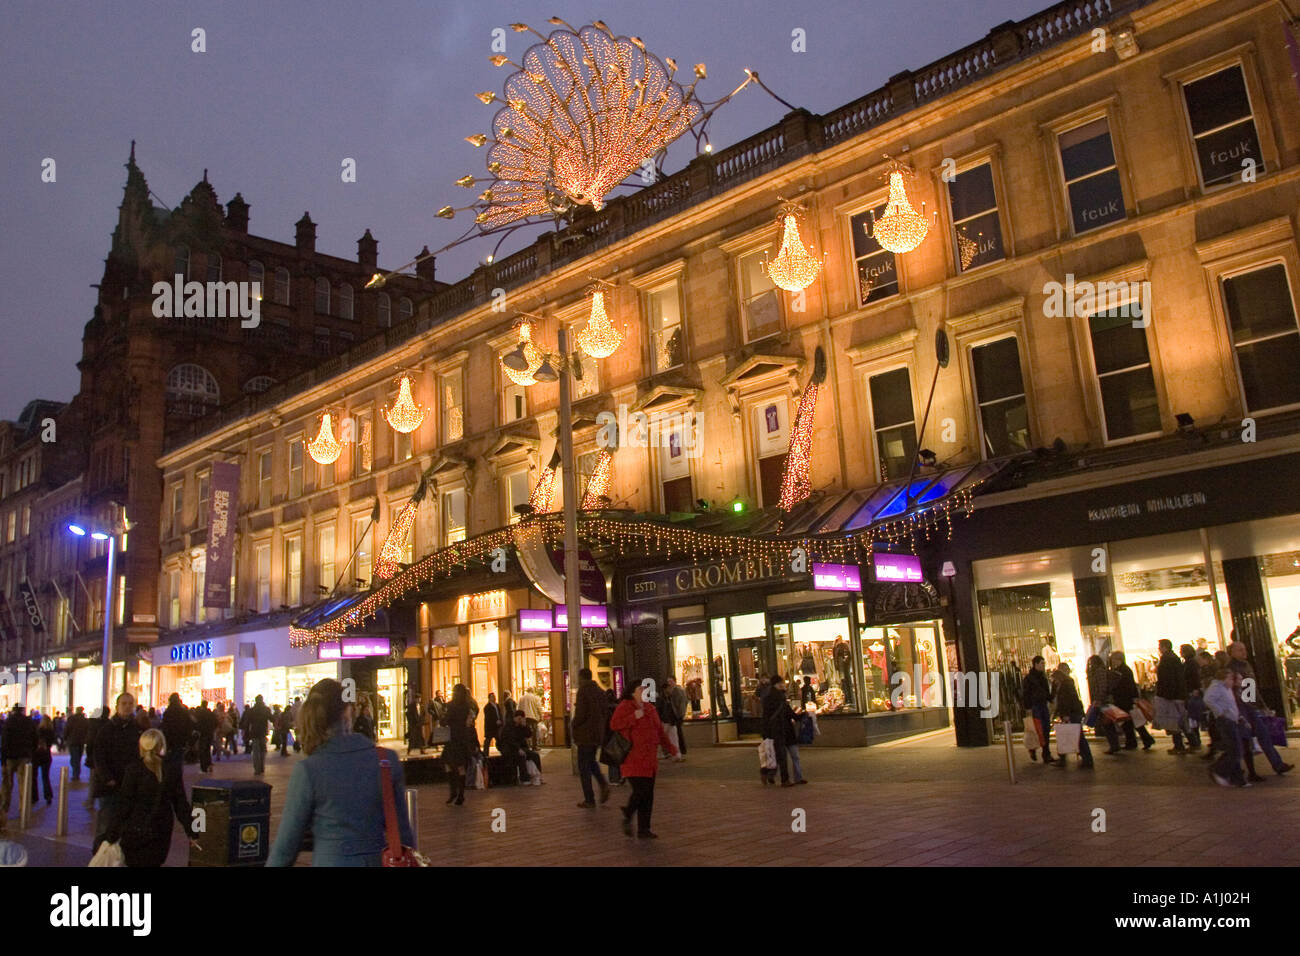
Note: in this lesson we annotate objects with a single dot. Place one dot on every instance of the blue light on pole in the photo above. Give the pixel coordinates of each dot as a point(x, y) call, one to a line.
point(99, 536)
point(78, 530)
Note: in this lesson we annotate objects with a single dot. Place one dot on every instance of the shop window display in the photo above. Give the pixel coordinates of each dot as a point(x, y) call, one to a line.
point(210, 680)
point(530, 666)
point(445, 670)
point(901, 667)
point(753, 661)
point(819, 651)
point(690, 670)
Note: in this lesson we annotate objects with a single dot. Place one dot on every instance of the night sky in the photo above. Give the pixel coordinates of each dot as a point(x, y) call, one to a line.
point(286, 91)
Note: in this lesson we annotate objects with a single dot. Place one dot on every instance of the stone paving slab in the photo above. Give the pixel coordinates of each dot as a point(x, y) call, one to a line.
point(920, 802)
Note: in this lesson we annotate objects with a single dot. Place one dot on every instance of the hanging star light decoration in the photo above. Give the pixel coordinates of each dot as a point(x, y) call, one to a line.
point(532, 353)
point(580, 114)
point(900, 228)
point(324, 449)
point(793, 268)
point(405, 416)
point(599, 484)
point(796, 484)
point(599, 338)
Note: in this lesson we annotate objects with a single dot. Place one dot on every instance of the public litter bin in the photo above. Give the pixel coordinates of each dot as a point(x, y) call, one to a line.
point(237, 824)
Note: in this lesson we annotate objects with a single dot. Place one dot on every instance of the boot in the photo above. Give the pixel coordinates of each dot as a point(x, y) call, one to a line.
point(460, 792)
point(451, 788)
point(1047, 756)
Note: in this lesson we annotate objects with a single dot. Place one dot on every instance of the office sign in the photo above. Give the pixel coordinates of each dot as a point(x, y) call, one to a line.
point(194, 651)
point(223, 509)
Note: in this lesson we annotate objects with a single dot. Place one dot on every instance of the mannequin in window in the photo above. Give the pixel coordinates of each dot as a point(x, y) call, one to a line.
point(843, 656)
point(717, 687)
point(806, 663)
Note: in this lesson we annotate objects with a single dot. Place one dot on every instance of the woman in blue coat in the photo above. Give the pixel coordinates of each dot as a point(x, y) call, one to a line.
point(335, 792)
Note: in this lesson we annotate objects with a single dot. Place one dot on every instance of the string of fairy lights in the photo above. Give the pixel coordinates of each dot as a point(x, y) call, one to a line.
point(633, 536)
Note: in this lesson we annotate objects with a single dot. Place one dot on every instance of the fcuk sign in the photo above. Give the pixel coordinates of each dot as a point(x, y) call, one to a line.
point(896, 568)
point(836, 577)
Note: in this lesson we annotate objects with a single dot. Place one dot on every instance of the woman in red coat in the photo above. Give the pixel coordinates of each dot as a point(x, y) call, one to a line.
point(636, 719)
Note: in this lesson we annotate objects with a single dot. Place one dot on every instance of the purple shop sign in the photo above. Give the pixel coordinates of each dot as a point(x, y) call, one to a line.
point(590, 578)
point(896, 568)
point(589, 615)
point(618, 682)
point(328, 651)
point(535, 619)
point(836, 577)
point(222, 508)
point(365, 646)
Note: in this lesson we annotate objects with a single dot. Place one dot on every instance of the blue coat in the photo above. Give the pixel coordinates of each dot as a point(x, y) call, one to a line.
point(336, 793)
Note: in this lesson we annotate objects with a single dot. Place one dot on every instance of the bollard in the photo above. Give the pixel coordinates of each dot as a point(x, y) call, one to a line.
point(1011, 750)
point(61, 822)
point(412, 813)
point(25, 796)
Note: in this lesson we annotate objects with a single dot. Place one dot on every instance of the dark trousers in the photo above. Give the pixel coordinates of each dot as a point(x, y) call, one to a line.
point(1255, 720)
point(1107, 729)
point(1132, 733)
point(782, 764)
point(681, 737)
point(588, 768)
point(42, 771)
point(284, 743)
point(1229, 742)
point(75, 751)
point(205, 754)
point(259, 755)
point(1043, 719)
point(641, 802)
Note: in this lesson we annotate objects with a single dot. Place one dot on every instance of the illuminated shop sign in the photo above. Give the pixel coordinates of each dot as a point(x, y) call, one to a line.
point(590, 615)
point(198, 650)
point(836, 577)
point(328, 651)
point(365, 646)
point(532, 619)
point(896, 568)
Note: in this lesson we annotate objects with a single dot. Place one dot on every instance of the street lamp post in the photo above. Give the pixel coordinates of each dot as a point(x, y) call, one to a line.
point(572, 585)
point(106, 655)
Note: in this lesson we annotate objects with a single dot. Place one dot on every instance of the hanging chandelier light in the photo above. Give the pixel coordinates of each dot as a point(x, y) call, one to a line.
point(405, 416)
point(324, 449)
point(793, 268)
point(901, 228)
point(525, 354)
point(599, 339)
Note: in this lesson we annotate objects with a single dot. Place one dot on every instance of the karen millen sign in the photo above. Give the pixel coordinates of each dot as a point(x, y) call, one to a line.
point(1134, 509)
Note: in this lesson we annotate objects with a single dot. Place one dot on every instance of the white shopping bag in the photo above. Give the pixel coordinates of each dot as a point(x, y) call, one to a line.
point(671, 731)
point(1067, 738)
point(767, 755)
point(108, 854)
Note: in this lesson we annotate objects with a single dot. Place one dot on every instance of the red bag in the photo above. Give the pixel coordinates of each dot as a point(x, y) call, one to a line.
point(394, 854)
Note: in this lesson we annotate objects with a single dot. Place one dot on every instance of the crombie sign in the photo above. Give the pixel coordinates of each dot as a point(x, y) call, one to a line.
point(717, 576)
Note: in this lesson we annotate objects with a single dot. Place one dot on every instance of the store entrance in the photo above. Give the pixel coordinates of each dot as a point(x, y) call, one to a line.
point(483, 681)
point(753, 658)
point(390, 716)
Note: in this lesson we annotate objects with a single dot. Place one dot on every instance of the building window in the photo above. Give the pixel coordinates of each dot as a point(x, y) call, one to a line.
point(771, 443)
point(282, 286)
point(326, 475)
point(1130, 407)
point(361, 535)
point(263, 556)
point(192, 391)
point(178, 508)
point(667, 335)
point(27, 520)
point(323, 295)
point(200, 566)
point(264, 478)
point(256, 273)
point(451, 388)
point(293, 570)
point(384, 310)
point(258, 384)
point(453, 516)
point(1265, 338)
point(214, 267)
point(295, 467)
point(12, 530)
point(345, 301)
point(174, 598)
point(1223, 126)
point(321, 341)
point(202, 516)
point(515, 401)
point(893, 422)
point(760, 307)
point(877, 270)
point(181, 262)
point(325, 560)
point(977, 230)
point(1000, 397)
point(516, 487)
point(404, 308)
point(363, 451)
point(1092, 184)
point(403, 446)
point(675, 473)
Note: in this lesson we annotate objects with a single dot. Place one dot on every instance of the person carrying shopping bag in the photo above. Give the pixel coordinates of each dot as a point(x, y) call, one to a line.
point(636, 719)
point(1037, 696)
point(1069, 710)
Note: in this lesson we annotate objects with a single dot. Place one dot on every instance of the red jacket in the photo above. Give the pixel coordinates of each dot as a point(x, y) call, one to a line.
point(646, 734)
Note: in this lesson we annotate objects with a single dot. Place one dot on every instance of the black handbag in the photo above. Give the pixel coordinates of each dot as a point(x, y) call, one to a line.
point(615, 750)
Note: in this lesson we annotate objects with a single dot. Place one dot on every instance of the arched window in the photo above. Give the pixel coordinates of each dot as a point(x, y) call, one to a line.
point(181, 262)
point(385, 310)
point(214, 267)
point(191, 391)
point(258, 384)
point(323, 296)
point(345, 301)
point(256, 272)
point(282, 286)
point(404, 307)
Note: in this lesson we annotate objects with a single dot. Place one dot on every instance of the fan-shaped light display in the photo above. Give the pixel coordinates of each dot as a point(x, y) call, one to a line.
point(793, 268)
point(599, 339)
point(901, 228)
point(324, 449)
point(599, 484)
point(395, 543)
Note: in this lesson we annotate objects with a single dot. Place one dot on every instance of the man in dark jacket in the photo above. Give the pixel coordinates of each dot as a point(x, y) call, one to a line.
point(588, 727)
point(1069, 708)
point(491, 723)
point(1171, 694)
point(1251, 717)
point(516, 743)
point(1038, 694)
point(177, 728)
point(256, 719)
point(1124, 691)
point(1195, 707)
point(19, 746)
point(75, 737)
point(116, 747)
point(205, 721)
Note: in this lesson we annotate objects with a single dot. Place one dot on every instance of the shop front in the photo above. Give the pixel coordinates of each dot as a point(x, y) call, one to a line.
point(196, 670)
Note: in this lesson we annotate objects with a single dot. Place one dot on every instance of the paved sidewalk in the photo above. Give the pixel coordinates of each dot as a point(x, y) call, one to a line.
point(917, 802)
